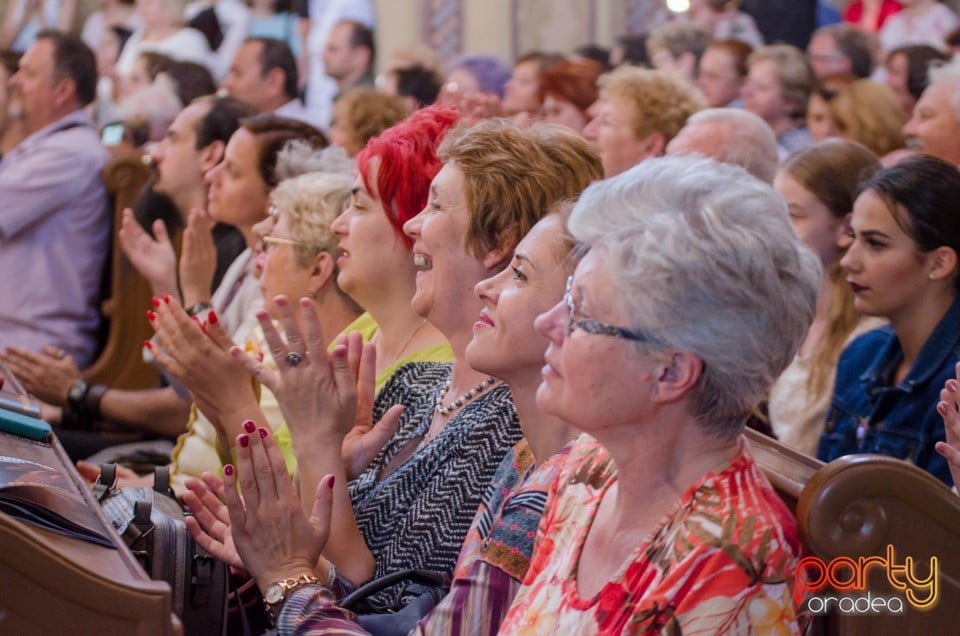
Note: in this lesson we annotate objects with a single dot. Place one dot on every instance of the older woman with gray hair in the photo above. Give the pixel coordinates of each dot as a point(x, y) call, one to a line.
point(692, 299)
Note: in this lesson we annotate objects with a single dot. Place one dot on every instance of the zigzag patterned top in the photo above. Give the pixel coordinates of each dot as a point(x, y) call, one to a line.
point(419, 515)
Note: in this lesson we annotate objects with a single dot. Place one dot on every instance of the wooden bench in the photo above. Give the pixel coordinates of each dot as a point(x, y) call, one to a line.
point(855, 507)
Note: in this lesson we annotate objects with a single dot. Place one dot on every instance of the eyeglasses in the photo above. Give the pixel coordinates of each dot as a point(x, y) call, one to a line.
point(595, 326)
point(266, 242)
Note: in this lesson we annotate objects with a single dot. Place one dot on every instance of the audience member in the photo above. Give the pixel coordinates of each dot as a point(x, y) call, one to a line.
point(233, 20)
point(920, 22)
point(320, 18)
point(908, 72)
point(192, 80)
point(630, 49)
point(361, 114)
point(676, 47)
point(474, 75)
point(55, 221)
point(729, 135)
point(569, 87)
point(23, 20)
point(639, 112)
point(164, 30)
point(934, 126)
point(902, 266)
point(669, 241)
point(599, 54)
point(723, 70)
point(842, 48)
point(264, 75)
point(418, 86)
point(275, 20)
point(777, 88)
point(722, 20)
point(870, 15)
point(868, 113)
point(819, 119)
point(111, 14)
point(522, 93)
point(820, 184)
point(349, 55)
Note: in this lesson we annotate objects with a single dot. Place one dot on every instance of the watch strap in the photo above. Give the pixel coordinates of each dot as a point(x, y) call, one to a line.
point(288, 586)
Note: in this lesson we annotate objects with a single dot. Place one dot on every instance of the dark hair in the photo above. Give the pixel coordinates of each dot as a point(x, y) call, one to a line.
point(855, 44)
point(155, 63)
point(73, 60)
point(193, 80)
point(919, 58)
point(634, 49)
point(123, 34)
point(361, 36)
point(737, 49)
point(595, 52)
point(272, 134)
point(928, 189)
point(418, 82)
point(542, 58)
point(221, 121)
point(277, 54)
point(10, 60)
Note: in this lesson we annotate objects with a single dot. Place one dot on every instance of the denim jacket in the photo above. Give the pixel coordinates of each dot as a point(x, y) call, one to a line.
point(868, 415)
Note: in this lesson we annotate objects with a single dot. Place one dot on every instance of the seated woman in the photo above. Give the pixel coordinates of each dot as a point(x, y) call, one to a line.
point(777, 87)
point(361, 114)
point(645, 517)
point(820, 184)
point(902, 266)
point(569, 88)
point(496, 554)
point(414, 504)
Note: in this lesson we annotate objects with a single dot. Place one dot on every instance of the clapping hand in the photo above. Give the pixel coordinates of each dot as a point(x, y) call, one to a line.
point(154, 258)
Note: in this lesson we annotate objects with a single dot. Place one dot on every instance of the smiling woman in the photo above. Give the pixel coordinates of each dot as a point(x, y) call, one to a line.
point(902, 266)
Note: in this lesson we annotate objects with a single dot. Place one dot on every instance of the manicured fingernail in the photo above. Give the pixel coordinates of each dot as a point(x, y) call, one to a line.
point(331, 481)
point(228, 470)
point(212, 317)
point(151, 316)
point(952, 385)
point(263, 433)
point(155, 301)
point(195, 319)
point(942, 408)
point(148, 345)
point(244, 441)
point(166, 298)
point(249, 426)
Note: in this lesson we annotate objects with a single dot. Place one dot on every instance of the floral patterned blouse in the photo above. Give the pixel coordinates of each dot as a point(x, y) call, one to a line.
point(720, 563)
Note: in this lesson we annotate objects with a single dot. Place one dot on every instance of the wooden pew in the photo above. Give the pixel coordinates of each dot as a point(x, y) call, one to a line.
point(120, 363)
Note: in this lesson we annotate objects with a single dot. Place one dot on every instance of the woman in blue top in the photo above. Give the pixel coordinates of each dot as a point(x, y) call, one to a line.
point(902, 266)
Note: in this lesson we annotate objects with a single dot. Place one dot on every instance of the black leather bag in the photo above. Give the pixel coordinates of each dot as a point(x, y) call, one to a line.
point(417, 593)
point(150, 522)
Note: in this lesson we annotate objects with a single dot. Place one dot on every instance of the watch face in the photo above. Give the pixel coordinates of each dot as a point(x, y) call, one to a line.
point(273, 593)
point(77, 390)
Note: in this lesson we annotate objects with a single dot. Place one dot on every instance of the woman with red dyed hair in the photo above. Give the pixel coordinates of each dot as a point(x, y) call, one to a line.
point(569, 88)
point(375, 263)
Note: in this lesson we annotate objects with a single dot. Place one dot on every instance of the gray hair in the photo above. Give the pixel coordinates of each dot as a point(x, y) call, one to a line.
point(743, 139)
point(704, 257)
point(949, 72)
point(311, 202)
point(299, 157)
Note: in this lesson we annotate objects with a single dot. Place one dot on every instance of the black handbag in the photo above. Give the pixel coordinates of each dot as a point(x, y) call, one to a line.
point(417, 593)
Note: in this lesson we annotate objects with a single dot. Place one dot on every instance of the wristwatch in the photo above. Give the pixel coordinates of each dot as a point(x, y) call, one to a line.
point(76, 394)
point(277, 593)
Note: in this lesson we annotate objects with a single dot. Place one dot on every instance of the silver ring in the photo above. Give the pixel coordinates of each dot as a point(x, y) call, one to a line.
point(293, 358)
point(61, 354)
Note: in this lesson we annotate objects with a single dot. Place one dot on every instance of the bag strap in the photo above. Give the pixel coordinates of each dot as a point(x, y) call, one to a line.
point(161, 481)
point(424, 577)
point(106, 482)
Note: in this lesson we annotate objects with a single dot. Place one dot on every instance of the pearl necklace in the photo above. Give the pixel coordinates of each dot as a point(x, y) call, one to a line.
point(442, 410)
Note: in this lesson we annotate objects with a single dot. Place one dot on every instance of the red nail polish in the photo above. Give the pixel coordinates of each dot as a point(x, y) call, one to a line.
point(212, 317)
point(148, 345)
point(151, 316)
point(228, 470)
point(249, 426)
point(244, 441)
point(263, 433)
point(331, 481)
point(166, 298)
point(155, 301)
